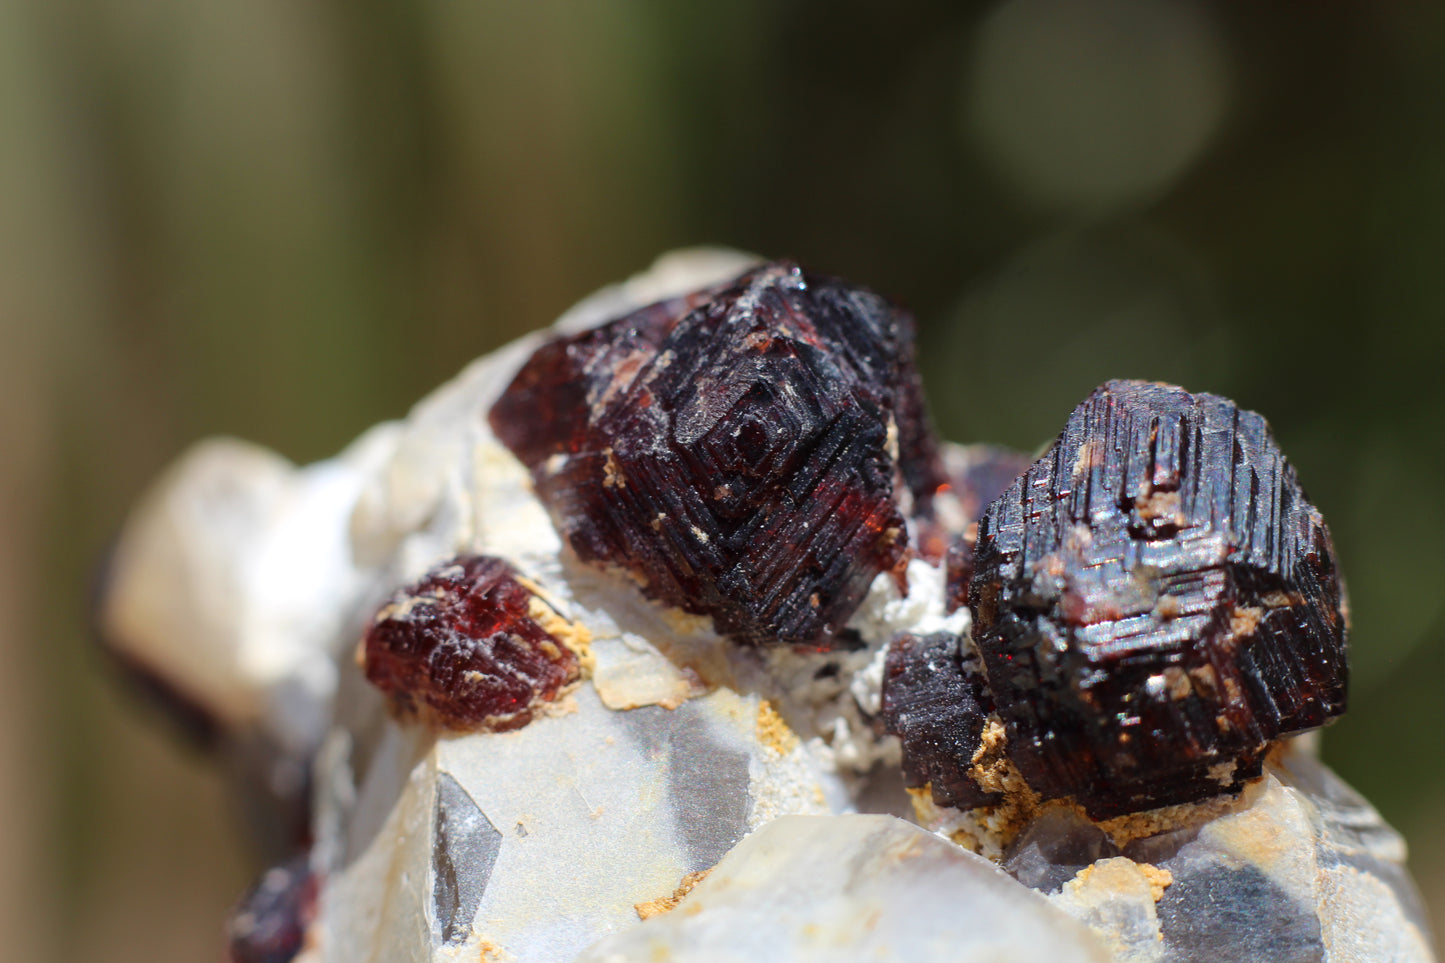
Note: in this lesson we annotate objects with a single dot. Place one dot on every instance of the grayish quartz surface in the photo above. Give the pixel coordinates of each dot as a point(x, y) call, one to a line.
point(465, 845)
point(542, 840)
point(864, 887)
point(1300, 869)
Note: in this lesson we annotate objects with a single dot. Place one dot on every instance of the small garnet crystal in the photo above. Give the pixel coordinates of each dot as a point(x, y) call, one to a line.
point(747, 453)
point(463, 647)
point(1154, 602)
point(269, 924)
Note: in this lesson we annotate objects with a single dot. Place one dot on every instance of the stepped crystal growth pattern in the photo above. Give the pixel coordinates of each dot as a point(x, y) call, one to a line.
point(747, 453)
point(1155, 601)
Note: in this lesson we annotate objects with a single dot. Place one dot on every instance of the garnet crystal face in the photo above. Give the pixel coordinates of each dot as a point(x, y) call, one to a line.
point(746, 453)
point(269, 924)
point(1154, 602)
point(463, 647)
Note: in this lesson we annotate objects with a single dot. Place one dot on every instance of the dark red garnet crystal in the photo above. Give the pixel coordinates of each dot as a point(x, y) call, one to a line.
point(748, 452)
point(462, 647)
point(1154, 602)
point(270, 922)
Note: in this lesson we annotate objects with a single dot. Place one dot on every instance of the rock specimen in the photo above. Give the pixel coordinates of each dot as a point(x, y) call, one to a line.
point(464, 647)
point(686, 786)
point(747, 453)
point(1154, 602)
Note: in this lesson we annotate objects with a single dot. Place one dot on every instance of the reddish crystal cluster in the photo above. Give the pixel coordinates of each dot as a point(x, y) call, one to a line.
point(1154, 602)
point(747, 453)
point(461, 646)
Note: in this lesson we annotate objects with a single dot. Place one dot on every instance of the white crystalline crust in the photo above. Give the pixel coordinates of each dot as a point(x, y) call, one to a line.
point(246, 584)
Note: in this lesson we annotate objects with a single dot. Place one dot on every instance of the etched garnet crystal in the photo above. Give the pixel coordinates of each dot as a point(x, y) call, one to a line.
point(747, 453)
point(1154, 602)
point(464, 647)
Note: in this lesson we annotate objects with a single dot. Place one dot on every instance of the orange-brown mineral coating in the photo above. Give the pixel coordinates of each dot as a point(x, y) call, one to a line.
point(460, 647)
point(743, 452)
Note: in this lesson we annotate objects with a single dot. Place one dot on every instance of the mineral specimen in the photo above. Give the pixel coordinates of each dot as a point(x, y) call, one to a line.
point(685, 795)
point(464, 646)
point(1154, 602)
point(746, 454)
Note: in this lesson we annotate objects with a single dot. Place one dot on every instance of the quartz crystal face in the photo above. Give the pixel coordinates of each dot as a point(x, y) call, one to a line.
point(747, 453)
point(464, 647)
point(1154, 602)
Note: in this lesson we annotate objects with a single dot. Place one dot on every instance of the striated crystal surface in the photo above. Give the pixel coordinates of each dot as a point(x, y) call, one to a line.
point(934, 703)
point(746, 453)
point(463, 646)
point(1154, 602)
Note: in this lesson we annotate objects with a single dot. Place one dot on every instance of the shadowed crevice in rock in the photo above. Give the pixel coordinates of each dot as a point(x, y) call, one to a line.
point(464, 850)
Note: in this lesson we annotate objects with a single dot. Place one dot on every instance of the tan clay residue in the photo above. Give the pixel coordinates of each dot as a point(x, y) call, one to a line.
point(1205, 680)
point(1168, 607)
point(1177, 683)
point(993, 771)
point(1121, 875)
point(1160, 505)
point(1090, 456)
point(990, 765)
point(686, 623)
point(1282, 600)
point(573, 635)
point(1244, 620)
point(666, 904)
point(773, 732)
point(1125, 829)
point(492, 953)
point(1159, 879)
point(612, 476)
point(986, 830)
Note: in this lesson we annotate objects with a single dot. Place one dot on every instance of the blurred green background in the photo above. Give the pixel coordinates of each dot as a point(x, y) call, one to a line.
point(288, 219)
